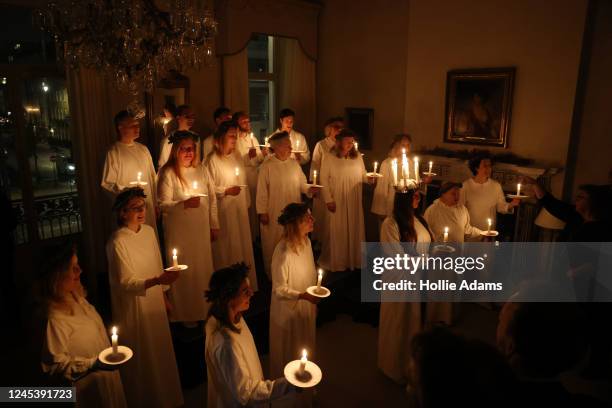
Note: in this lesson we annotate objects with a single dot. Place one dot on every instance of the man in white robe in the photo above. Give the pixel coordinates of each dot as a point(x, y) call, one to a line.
point(281, 182)
point(126, 160)
point(301, 152)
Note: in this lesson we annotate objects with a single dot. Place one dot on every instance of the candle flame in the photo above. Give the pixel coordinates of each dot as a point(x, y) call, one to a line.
point(446, 230)
point(114, 330)
point(195, 185)
point(174, 252)
point(304, 355)
point(320, 272)
point(237, 171)
point(489, 221)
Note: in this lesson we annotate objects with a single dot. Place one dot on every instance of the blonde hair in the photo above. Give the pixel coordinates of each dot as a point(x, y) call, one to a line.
point(291, 217)
point(174, 164)
point(56, 267)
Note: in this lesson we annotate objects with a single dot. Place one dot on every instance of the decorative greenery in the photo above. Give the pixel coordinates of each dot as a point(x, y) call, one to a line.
point(465, 154)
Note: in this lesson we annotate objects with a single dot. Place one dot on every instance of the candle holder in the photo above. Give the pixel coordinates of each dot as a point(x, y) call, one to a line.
point(519, 196)
point(124, 353)
point(490, 233)
point(429, 173)
point(321, 292)
point(371, 174)
point(444, 248)
point(138, 183)
point(310, 377)
point(176, 268)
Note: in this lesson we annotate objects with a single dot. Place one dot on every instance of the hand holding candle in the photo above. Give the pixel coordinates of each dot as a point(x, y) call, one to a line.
point(115, 340)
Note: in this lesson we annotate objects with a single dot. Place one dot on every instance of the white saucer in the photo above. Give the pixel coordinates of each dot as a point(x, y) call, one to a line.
point(124, 353)
point(240, 185)
point(314, 377)
point(430, 174)
point(444, 248)
point(516, 196)
point(199, 195)
point(138, 183)
point(315, 185)
point(490, 233)
point(176, 268)
point(324, 291)
point(263, 145)
point(298, 151)
point(377, 175)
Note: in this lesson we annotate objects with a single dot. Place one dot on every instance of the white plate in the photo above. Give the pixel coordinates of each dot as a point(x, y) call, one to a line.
point(313, 377)
point(124, 353)
point(377, 175)
point(263, 145)
point(444, 248)
point(314, 185)
point(138, 183)
point(430, 174)
point(489, 234)
point(298, 151)
point(176, 268)
point(313, 291)
point(240, 185)
point(516, 196)
point(199, 195)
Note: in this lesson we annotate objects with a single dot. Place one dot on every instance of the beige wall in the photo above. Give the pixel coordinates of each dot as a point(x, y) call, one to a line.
point(362, 64)
point(205, 95)
point(594, 162)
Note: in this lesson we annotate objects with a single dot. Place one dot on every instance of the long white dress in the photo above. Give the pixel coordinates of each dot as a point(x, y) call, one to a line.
point(280, 182)
point(234, 241)
point(123, 163)
point(188, 230)
point(399, 321)
point(484, 201)
point(244, 143)
point(457, 218)
point(72, 345)
point(292, 321)
point(151, 377)
point(235, 377)
point(319, 210)
point(343, 180)
point(384, 192)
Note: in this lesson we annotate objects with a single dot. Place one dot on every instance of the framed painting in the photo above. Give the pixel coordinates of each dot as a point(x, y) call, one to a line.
point(479, 106)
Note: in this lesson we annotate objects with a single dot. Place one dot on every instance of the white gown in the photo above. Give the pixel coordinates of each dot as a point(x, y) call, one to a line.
point(243, 145)
point(484, 201)
point(72, 345)
point(235, 377)
point(384, 192)
point(188, 230)
point(234, 242)
point(343, 180)
point(319, 210)
point(292, 321)
point(123, 162)
point(151, 377)
point(279, 183)
point(399, 321)
point(457, 218)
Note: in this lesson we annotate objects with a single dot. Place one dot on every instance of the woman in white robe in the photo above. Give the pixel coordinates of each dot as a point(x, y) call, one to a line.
point(125, 160)
point(76, 335)
point(342, 175)
point(136, 277)
point(235, 376)
point(281, 182)
point(190, 224)
point(400, 321)
point(234, 242)
point(323, 147)
point(292, 310)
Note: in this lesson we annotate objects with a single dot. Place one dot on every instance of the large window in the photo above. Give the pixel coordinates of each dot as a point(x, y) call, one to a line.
point(262, 85)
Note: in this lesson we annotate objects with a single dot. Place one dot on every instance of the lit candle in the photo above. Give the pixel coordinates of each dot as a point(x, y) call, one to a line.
point(488, 225)
point(237, 175)
point(394, 170)
point(174, 258)
point(356, 146)
point(518, 189)
point(405, 168)
point(319, 279)
point(195, 186)
point(252, 142)
point(139, 176)
point(430, 166)
point(314, 177)
point(303, 361)
point(445, 234)
point(297, 145)
point(416, 169)
point(115, 340)
point(375, 167)
point(266, 141)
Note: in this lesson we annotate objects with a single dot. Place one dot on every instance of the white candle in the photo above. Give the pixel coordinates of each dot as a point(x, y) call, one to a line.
point(314, 177)
point(252, 142)
point(115, 340)
point(445, 234)
point(195, 186)
point(297, 145)
point(405, 168)
point(266, 141)
point(375, 167)
point(237, 175)
point(356, 146)
point(174, 258)
point(518, 189)
point(303, 361)
point(416, 169)
point(430, 166)
point(139, 176)
point(488, 225)
point(319, 279)
point(394, 170)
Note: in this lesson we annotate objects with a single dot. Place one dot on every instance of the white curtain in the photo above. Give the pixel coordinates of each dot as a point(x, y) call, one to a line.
point(236, 81)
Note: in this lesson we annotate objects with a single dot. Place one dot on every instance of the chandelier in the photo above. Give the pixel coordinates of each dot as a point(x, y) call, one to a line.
point(135, 42)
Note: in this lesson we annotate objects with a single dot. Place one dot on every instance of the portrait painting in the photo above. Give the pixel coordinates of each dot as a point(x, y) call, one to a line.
point(478, 106)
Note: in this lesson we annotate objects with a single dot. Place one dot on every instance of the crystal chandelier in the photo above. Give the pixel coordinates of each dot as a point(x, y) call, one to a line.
point(135, 42)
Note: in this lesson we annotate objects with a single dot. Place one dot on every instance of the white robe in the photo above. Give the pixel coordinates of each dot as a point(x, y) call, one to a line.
point(399, 321)
point(165, 148)
point(384, 192)
point(292, 321)
point(151, 378)
point(244, 143)
point(484, 201)
point(235, 377)
point(319, 210)
point(457, 218)
point(298, 143)
point(188, 230)
point(208, 146)
point(123, 162)
point(234, 242)
point(342, 180)
point(72, 345)
point(279, 183)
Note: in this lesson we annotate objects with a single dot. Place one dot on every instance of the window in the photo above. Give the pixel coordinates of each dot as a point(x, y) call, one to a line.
point(262, 89)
